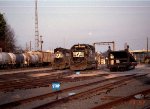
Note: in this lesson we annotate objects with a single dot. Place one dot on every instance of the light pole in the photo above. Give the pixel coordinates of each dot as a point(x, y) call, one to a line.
point(147, 46)
point(41, 42)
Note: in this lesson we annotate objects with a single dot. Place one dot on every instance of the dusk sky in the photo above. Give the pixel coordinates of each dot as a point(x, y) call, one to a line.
point(63, 23)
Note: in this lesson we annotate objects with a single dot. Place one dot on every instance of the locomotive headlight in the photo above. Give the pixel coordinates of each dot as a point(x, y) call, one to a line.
point(58, 55)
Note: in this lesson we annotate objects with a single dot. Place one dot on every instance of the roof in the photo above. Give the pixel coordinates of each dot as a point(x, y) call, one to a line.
point(138, 51)
point(123, 54)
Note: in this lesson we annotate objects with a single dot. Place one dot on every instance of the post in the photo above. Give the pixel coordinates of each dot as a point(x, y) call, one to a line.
point(26, 46)
point(41, 42)
point(30, 45)
point(147, 46)
point(94, 45)
point(113, 46)
point(64, 42)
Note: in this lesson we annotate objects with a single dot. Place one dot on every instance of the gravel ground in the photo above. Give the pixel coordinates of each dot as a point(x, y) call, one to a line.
point(96, 99)
point(83, 103)
point(124, 90)
point(23, 71)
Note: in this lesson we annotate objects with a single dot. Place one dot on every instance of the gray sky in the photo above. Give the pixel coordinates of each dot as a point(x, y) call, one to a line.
point(63, 23)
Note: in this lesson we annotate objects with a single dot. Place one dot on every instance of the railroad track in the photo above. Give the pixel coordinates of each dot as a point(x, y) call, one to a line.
point(43, 81)
point(22, 75)
point(88, 92)
point(30, 82)
point(119, 80)
point(11, 71)
point(24, 81)
point(115, 102)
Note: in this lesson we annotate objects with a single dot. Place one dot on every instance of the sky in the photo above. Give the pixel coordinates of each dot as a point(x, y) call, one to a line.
point(63, 23)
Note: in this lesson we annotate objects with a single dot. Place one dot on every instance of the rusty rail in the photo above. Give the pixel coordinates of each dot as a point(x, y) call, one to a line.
point(88, 92)
point(26, 82)
point(19, 102)
point(120, 100)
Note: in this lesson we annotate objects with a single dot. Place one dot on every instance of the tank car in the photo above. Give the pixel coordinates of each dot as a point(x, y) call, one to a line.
point(38, 57)
point(33, 59)
point(83, 57)
point(5, 59)
point(13, 58)
point(61, 59)
point(45, 58)
point(26, 60)
point(21, 60)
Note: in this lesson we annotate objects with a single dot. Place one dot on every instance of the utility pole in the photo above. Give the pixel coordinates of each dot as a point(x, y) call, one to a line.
point(64, 42)
point(30, 46)
point(26, 46)
point(41, 42)
point(36, 28)
point(147, 46)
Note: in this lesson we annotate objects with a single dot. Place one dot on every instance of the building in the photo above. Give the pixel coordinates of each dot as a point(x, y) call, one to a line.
point(140, 55)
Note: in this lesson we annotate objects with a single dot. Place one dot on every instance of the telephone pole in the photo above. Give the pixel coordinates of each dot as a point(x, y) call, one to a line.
point(41, 42)
point(147, 46)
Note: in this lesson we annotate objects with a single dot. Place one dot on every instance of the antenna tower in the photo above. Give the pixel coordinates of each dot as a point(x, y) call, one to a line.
point(36, 28)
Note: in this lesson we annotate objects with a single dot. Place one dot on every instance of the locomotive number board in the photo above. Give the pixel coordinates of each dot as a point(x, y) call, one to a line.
point(78, 54)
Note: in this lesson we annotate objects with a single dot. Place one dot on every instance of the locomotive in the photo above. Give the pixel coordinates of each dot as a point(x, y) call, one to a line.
point(61, 59)
point(83, 57)
point(121, 60)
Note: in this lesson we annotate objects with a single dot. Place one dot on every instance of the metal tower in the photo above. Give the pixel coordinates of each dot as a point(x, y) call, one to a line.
point(105, 43)
point(37, 41)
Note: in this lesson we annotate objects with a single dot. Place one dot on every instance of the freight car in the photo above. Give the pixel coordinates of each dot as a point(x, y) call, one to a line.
point(45, 57)
point(39, 58)
point(21, 60)
point(5, 59)
point(83, 57)
point(121, 60)
point(62, 58)
point(48, 58)
point(33, 58)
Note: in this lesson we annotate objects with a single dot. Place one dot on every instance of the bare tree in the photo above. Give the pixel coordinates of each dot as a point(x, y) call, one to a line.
point(7, 36)
point(10, 39)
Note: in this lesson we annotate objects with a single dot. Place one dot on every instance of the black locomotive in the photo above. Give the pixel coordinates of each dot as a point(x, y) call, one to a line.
point(82, 57)
point(62, 58)
point(121, 60)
